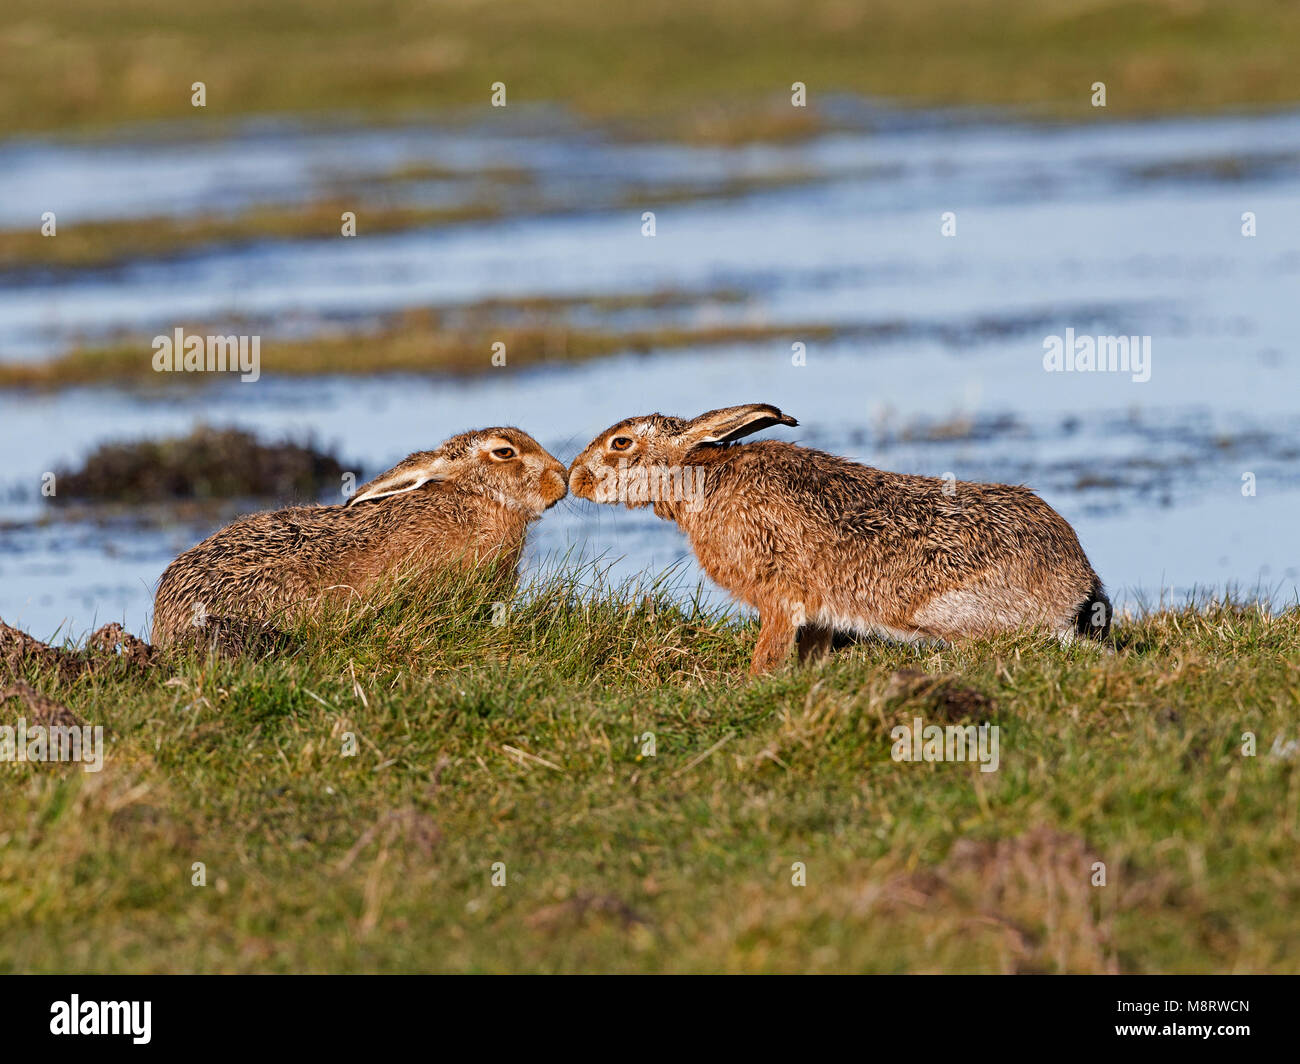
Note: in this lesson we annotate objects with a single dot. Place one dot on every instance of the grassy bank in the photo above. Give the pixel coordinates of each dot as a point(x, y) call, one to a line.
point(107, 243)
point(378, 204)
point(421, 343)
point(717, 70)
point(527, 744)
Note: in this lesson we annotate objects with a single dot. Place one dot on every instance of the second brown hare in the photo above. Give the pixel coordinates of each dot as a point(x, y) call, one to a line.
point(467, 503)
point(818, 544)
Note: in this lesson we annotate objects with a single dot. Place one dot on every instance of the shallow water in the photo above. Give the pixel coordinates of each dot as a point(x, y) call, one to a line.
point(1114, 229)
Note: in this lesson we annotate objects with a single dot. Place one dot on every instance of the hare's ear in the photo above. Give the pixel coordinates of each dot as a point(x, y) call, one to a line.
point(734, 423)
point(401, 479)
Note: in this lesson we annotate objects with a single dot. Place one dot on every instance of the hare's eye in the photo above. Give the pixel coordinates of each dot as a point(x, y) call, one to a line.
point(620, 443)
point(503, 453)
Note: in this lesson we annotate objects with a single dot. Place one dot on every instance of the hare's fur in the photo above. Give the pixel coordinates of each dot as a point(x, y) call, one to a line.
point(460, 505)
point(819, 543)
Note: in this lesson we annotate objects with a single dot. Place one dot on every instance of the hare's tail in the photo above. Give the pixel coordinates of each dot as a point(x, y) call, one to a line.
point(1093, 617)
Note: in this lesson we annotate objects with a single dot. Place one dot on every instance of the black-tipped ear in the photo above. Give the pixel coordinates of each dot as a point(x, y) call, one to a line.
point(401, 479)
point(734, 423)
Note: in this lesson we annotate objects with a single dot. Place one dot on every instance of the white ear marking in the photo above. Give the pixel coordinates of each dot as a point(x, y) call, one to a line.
point(382, 491)
point(397, 482)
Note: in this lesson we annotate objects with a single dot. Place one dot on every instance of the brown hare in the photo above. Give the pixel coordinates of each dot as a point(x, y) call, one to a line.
point(821, 544)
point(466, 503)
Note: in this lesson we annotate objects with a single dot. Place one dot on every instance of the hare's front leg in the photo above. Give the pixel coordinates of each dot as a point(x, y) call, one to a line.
point(775, 634)
point(814, 642)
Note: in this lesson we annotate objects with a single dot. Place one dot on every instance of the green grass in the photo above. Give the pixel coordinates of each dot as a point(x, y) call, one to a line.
point(715, 69)
point(521, 744)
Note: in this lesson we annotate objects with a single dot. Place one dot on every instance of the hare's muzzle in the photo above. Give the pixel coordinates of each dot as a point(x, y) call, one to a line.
point(581, 481)
point(554, 485)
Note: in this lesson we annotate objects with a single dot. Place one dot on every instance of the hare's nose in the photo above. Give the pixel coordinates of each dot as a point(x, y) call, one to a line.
point(560, 480)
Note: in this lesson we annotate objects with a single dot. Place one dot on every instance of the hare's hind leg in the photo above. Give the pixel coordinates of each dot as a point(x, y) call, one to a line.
point(980, 607)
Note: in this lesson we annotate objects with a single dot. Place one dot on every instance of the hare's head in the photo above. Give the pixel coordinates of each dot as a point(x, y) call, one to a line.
point(618, 464)
point(503, 464)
